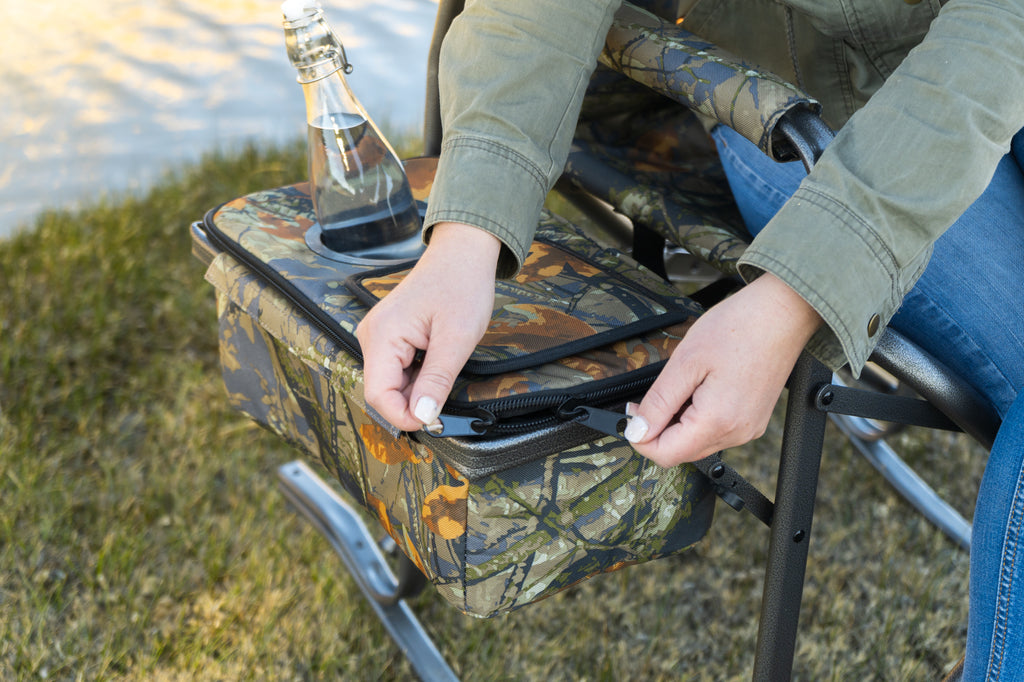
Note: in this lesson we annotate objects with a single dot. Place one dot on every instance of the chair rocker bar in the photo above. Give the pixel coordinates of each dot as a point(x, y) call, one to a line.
point(337, 521)
point(906, 482)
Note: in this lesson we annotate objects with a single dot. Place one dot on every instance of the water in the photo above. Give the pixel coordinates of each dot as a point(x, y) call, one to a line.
point(102, 97)
point(360, 193)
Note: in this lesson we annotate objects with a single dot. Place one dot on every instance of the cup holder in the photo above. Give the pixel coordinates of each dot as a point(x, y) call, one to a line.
point(385, 254)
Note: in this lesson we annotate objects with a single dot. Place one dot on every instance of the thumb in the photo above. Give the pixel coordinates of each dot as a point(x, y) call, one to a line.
point(445, 356)
point(663, 401)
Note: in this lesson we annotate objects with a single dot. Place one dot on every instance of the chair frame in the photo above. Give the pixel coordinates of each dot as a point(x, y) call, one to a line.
point(813, 397)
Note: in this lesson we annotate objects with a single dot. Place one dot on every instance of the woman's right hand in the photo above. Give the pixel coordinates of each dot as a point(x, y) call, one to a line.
point(442, 308)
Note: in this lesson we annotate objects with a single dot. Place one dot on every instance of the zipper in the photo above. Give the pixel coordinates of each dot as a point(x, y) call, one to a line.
point(499, 417)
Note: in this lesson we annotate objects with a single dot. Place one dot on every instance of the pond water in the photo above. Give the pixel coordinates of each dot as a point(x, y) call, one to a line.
point(104, 96)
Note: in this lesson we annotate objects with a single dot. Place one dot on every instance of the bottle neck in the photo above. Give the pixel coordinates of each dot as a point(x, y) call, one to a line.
point(311, 73)
point(313, 48)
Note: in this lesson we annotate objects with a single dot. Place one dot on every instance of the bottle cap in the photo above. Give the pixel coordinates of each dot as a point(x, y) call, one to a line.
point(296, 9)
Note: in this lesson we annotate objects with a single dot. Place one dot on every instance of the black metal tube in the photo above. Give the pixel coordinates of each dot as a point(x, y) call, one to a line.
point(791, 526)
point(940, 386)
point(807, 134)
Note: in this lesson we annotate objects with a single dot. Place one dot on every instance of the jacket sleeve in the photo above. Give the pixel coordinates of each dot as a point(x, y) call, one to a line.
point(858, 232)
point(512, 78)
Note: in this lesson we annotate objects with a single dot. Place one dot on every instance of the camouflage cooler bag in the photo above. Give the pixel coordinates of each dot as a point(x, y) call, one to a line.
point(517, 497)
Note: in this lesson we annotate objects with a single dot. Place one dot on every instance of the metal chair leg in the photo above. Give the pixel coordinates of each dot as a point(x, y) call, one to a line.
point(795, 491)
point(340, 524)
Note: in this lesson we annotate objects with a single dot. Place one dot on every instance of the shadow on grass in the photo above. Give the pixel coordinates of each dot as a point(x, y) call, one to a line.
point(142, 537)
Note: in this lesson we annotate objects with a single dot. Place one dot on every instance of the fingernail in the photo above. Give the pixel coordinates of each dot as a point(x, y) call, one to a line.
point(636, 429)
point(427, 410)
point(631, 409)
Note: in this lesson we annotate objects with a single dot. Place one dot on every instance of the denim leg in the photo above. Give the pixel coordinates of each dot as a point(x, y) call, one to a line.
point(995, 629)
point(1017, 149)
point(759, 185)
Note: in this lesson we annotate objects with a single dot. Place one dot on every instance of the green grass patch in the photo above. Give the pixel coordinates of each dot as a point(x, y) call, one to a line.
point(142, 536)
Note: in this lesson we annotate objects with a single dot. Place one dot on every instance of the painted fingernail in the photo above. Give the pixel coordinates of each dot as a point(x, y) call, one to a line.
point(631, 409)
point(427, 410)
point(636, 429)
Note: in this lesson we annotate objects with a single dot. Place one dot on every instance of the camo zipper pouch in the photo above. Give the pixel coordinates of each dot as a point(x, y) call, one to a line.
point(559, 304)
point(531, 499)
point(582, 326)
point(578, 327)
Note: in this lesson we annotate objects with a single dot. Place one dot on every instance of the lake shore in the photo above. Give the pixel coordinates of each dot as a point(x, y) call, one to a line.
point(104, 97)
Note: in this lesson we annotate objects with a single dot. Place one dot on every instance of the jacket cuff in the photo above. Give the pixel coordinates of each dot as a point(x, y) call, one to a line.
point(841, 267)
point(487, 185)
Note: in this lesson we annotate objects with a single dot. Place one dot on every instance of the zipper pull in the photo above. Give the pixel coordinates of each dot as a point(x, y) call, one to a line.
point(607, 422)
point(450, 425)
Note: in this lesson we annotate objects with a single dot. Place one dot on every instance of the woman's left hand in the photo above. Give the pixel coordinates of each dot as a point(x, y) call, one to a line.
point(720, 386)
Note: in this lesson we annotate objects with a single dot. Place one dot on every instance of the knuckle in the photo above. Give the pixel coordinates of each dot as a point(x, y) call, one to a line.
point(440, 378)
point(657, 402)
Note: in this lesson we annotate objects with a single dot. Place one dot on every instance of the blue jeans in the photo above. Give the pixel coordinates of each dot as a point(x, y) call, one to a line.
point(967, 310)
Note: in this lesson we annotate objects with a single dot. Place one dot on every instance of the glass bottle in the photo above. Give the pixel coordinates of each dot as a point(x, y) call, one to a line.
point(360, 192)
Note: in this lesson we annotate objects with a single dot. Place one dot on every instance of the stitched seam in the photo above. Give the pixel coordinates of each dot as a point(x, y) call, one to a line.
point(829, 205)
point(582, 80)
point(791, 40)
point(845, 85)
point(506, 235)
point(1006, 581)
point(491, 147)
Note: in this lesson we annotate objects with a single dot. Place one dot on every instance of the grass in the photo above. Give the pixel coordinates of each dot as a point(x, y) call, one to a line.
point(142, 536)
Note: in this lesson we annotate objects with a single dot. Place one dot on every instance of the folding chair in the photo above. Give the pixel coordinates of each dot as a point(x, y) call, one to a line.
point(667, 60)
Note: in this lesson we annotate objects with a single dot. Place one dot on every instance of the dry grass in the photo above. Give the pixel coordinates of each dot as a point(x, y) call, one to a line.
point(142, 536)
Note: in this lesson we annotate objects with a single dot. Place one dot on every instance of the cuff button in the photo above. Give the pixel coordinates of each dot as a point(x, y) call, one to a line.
point(873, 325)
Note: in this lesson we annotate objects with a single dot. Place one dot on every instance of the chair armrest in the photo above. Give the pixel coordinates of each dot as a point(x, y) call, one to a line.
point(705, 78)
point(932, 380)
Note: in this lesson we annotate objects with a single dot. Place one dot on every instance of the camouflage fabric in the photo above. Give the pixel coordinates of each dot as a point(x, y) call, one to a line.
point(271, 226)
point(697, 73)
point(652, 159)
point(681, 196)
point(558, 304)
point(628, 300)
point(489, 544)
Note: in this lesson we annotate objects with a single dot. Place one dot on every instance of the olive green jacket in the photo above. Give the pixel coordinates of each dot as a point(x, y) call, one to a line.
point(927, 95)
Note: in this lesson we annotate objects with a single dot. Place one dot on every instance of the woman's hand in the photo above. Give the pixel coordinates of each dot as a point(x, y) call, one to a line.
point(442, 307)
point(721, 384)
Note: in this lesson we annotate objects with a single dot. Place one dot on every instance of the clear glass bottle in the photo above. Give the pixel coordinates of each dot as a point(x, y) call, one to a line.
point(360, 192)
